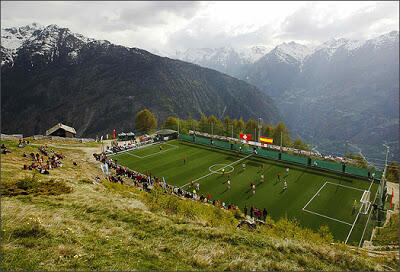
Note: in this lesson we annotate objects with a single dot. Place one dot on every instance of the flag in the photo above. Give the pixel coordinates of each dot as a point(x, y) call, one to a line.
point(245, 136)
point(266, 140)
point(164, 183)
point(106, 165)
point(102, 168)
point(114, 133)
point(391, 200)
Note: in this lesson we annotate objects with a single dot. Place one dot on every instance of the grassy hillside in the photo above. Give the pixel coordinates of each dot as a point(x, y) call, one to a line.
point(108, 226)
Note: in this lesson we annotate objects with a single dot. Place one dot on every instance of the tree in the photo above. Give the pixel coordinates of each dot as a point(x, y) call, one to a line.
point(281, 128)
point(360, 161)
point(171, 123)
point(392, 173)
point(227, 123)
point(268, 131)
point(145, 121)
point(203, 123)
point(251, 127)
point(212, 119)
point(240, 124)
point(298, 144)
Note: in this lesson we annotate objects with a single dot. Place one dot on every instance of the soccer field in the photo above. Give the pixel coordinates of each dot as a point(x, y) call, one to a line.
point(312, 196)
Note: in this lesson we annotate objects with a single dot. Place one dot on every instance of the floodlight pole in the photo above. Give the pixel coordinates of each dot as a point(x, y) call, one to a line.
point(178, 126)
point(387, 154)
point(281, 139)
point(232, 131)
point(259, 128)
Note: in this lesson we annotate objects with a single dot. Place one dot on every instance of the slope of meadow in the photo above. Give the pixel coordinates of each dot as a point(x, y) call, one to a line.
point(108, 226)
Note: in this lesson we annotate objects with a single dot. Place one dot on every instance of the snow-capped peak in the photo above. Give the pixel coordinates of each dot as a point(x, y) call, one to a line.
point(13, 37)
point(252, 54)
point(390, 37)
point(295, 50)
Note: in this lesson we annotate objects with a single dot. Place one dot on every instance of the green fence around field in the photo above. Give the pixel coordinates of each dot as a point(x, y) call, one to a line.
point(268, 153)
point(185, 137)
point(334, 166)
point(327, 165)
point(294, 158)
point(222, 144)
point(356, 171)
point(202, 140)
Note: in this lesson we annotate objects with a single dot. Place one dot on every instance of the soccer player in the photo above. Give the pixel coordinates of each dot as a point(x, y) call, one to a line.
point(237, 153)
point(355, 204)
point(284, 185)
point(279, 176)
point(191, 182)
point(287, 171)
point(223, 171)
point(229, 176)
point(262, 166)
point(240, 148)
point(254, 189)
point(251, 185)
point(198, 186)
point(184, 160)
point(160, 147)
point(229, 184)
point(262, 178)
point(244, 166)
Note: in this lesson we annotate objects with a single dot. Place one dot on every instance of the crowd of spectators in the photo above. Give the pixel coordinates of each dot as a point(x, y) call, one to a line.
point(45, 161)
point(147, 182)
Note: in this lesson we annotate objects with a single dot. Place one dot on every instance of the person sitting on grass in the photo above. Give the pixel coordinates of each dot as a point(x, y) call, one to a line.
point(6, 151)
point(3, 146)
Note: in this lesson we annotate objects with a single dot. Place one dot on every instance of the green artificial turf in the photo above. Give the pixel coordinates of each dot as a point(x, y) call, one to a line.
point(332, 206)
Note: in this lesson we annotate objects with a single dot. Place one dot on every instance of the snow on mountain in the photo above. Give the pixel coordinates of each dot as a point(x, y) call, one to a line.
point(12, 38)
point(388, 38)
point(296, 50)
point(41, 40)
point(252, 54)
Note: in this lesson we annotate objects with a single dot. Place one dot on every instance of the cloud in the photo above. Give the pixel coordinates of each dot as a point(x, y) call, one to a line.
point(207, 33)
point(168, 26)
point(304, 23)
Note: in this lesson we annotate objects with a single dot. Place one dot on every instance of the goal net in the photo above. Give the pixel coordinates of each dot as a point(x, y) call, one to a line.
point(365, 202)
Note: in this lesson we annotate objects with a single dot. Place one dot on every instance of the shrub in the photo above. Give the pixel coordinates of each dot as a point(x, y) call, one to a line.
point(32, 186)
point(31, 228)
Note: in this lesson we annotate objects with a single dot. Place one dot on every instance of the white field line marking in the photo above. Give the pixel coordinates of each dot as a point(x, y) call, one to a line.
point(346, 186)
point(216, 170)
point(326, 217)
point(142, 157)
point(315, 195)
point(355, 220)
point(366, 224)
point(136, 148)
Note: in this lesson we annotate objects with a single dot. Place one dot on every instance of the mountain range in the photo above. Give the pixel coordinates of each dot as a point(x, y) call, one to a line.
point(51, 75)
point(340, 91)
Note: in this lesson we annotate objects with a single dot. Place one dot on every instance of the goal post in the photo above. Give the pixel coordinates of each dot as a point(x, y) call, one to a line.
point(365, 202)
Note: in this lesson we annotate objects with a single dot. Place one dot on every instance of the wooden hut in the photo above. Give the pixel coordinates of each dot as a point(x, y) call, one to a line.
point(61, 131)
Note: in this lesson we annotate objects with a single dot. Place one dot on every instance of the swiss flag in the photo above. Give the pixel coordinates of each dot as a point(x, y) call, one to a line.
point(245, 136)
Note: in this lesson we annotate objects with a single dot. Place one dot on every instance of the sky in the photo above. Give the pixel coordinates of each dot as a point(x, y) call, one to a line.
point(164, 27)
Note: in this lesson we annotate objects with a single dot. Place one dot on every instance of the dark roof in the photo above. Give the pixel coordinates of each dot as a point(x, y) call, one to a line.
point(166, 132)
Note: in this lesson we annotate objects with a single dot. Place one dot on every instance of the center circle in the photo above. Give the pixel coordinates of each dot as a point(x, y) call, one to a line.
point(218, 168)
